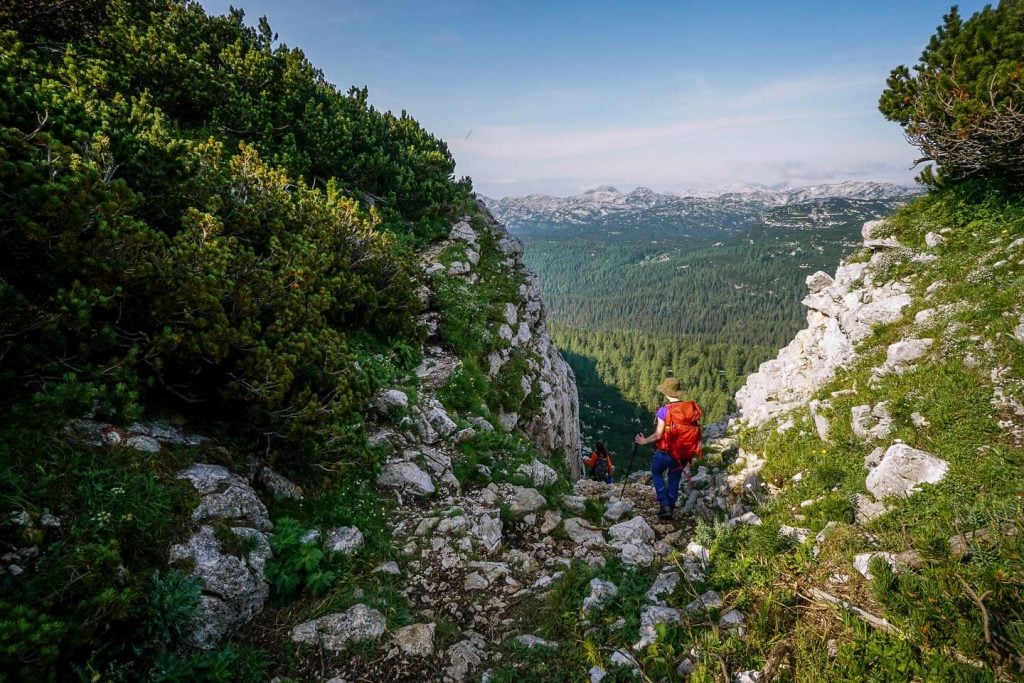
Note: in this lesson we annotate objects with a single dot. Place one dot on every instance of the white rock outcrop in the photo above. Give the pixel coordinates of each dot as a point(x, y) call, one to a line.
point(841, 312)
point(556, 424)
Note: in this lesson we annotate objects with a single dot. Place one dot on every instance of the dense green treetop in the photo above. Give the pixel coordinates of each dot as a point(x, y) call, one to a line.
point(193, 214)
point(963, 103)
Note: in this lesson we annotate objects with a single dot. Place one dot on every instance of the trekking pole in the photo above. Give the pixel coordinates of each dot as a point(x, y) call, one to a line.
point(629, 468)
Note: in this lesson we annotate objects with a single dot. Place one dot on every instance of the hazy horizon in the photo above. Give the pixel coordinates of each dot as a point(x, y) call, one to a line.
point(711, 190)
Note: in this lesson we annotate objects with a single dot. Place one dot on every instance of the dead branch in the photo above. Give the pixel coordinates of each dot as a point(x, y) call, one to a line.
point(881, 624)
point(818, 595)
point(979, 600)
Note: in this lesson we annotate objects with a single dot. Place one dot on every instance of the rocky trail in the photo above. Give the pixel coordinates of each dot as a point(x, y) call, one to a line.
point(487, 577)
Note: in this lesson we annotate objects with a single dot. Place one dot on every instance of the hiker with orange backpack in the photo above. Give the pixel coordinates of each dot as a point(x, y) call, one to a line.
point(599, 464)
point(677, 443)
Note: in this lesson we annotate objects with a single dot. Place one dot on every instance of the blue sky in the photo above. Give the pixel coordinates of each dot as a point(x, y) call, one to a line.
point(557, 97)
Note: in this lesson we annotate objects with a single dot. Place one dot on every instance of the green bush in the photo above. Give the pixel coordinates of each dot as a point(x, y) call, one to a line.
point(98, 591)
point(173, 599)
point(30, 641)
point(963, 105)
point(222, 665)
point(172, 237)
point(296, 565)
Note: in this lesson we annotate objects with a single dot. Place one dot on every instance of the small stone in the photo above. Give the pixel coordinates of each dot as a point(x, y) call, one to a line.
point(798, 534)
point(708, 600)
point(640, 555)
point(475, 581)
point(663, 585)
point(390, 567)
point(685, 668)
point(583, 533)
point(20, 518)
point(538, 473)
point(278, 485)
point(525, 500)
point(862, 562)
point(698, 551)
point(531, 641)
point(650, 618)
point(552, 519)
point(867, 510)
point(693, 571)
point(310, 537)
point(464, 656)
point(345, 540)
point(574, 503)
point(620, 658)
point(49, 521)
point(406, 476)
point(335, 631)
point(596, 674)
point(415, 640)
point(617, 509)
point(731, 619)
point(601, 592)
point(145, 444)
point(904, 352)
point(463, 231)
point(390, 399)
point(746, 518)
point(636, 529)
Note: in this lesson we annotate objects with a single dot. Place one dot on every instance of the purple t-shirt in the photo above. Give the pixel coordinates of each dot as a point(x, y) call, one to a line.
point(662, 413)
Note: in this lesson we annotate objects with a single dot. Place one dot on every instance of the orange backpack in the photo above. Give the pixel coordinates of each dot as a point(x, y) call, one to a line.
point(681, 436)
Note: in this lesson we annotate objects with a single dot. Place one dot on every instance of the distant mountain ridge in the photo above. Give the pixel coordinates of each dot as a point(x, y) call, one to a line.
point(606, 202)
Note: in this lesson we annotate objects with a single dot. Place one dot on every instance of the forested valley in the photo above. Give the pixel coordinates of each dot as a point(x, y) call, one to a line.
point(706, 295)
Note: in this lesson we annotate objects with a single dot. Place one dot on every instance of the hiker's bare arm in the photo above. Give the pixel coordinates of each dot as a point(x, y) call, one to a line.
point(644, 440)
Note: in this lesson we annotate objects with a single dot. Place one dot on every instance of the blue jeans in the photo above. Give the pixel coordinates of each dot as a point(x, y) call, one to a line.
point(666, 495)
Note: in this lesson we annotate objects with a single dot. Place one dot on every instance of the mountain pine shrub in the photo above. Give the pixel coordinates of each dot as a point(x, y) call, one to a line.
point(962, 104)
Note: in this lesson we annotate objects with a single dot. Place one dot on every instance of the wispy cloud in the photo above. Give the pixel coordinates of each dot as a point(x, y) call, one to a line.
point(800, 126)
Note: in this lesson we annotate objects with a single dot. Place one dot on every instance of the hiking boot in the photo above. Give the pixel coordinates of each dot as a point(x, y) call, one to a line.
point(665, 512)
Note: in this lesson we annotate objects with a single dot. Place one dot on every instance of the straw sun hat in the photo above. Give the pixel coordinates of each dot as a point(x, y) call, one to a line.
point(670, 387)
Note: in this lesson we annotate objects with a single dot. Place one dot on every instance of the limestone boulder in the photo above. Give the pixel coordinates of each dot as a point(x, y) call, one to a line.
point(903, 470)
point(635, 530)
point(224, 495)
point(415, 640)
point(406, 477)
point(583, 533)
point(233, 586)
point(345, 540)
point(538, 473)
point(335, 631)
point(523, 500)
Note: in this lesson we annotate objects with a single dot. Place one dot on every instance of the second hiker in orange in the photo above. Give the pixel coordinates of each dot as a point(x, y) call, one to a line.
point(677, 442)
